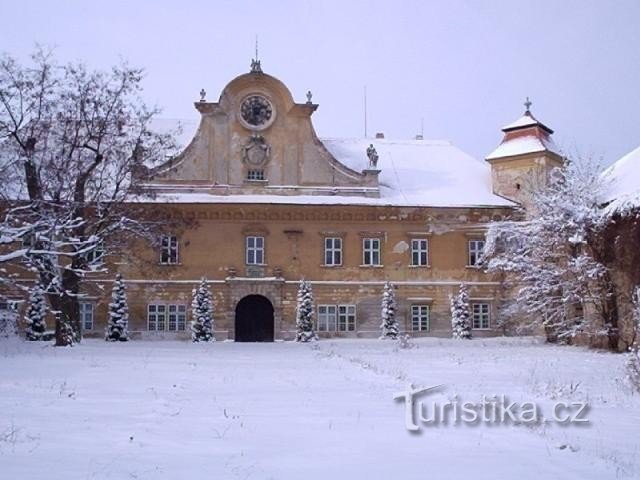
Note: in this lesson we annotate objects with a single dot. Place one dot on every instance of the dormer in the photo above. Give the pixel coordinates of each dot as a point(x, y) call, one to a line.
point(524, 158)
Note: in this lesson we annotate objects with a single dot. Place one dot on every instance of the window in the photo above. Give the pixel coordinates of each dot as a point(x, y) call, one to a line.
point(171, 317)
point(476, 248)
point(333, 251)
point(169, 250)
point(95, 254)
point(326, 318)
point(255, 174)
point(420, 252)
point(336, 318)
point(480, 316)
point(86, 315)
point(255, 250)
point(420, 318)
point(371, 251)
point(346, 318)
point(177, 318)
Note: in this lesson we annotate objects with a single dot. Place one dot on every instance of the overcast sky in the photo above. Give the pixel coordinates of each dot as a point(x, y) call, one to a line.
point(464, 66)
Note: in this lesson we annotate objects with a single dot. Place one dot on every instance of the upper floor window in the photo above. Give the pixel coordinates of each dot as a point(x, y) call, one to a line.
point(420, 318)
point(420, 252)
point(94, 256)
point(476, 249)
point(481, 316)
point(371, 251)
point(86, 315)
point(255, 250)
point(333, 251)
point(169, 250)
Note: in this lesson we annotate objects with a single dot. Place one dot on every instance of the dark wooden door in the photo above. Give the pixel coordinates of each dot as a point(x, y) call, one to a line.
point(254, 319)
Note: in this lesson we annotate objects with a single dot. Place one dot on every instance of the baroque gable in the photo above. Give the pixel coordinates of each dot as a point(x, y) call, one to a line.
point(257, 140)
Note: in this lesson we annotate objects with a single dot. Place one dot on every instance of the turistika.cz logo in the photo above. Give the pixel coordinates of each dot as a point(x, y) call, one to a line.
point(491, 409)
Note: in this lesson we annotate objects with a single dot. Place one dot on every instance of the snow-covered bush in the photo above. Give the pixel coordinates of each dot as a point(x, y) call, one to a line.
point(36, 313)
point(304, 313)
point(389, 326)
point(118, 324)
point(202, 313)
point(461, 314)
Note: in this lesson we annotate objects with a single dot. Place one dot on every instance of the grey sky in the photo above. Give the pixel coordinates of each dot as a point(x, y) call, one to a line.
point(463, 66)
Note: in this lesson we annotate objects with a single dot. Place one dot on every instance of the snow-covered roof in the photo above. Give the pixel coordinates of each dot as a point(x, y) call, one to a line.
point(523, 145)
point(413, 173)
point(623, 178)
point(526, 120)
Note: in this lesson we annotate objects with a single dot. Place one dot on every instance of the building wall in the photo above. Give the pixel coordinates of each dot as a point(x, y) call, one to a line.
point(212, 245)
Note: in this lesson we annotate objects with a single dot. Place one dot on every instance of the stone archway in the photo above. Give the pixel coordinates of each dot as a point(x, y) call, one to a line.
point(254, 319)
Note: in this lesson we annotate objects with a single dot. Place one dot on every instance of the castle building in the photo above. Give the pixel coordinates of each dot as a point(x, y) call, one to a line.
point(256, 202)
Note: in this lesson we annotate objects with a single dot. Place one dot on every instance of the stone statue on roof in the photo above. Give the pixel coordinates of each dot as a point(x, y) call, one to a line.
point(373, 156)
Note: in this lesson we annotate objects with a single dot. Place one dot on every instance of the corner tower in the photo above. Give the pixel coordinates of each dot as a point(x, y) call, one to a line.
point(524, 158)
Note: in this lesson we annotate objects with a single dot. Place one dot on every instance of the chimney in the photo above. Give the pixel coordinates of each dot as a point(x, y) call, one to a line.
point(379, 135)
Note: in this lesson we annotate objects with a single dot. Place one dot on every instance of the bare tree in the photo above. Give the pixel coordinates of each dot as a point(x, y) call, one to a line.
point(70, 141)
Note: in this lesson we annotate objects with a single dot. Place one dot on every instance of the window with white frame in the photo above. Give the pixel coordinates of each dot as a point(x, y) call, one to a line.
point(255, 250)
point(177, 318)
point(94, 256)
point(333, 251)
point(255, 174)
point(371, 251)
point(419, 252)
point(86, 315)
point(420, 318)
point(336, 318)
point(476, 249)
point(327, 316)
point(481, 316)
point(169, 250)
point(166, 317)
point(346, 318)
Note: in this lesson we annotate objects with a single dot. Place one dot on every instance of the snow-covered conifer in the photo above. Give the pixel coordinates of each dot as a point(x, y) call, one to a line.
point(202, 313)
point(389, 326)
point(461, 314)
point(304, 313)
point(118, 324)
point(35, 321)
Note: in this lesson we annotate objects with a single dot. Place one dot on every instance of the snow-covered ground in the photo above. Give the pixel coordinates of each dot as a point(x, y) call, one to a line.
point(176, 410)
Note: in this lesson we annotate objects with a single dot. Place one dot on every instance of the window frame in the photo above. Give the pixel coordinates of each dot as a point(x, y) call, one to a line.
point(332, 251)
point(371, 251)
point(169, 250)
point(474, 252)
point(83, 315)
point(423, 321)
point(481, 316)
point(255, 175)
point(419, 252)
point(162, 312)
point(324, 318)
point(346, 319)
point(254, 249)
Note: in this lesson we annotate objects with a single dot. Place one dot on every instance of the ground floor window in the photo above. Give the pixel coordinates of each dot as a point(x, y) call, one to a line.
point(481, 316)
point(336, 318)
point(170, 317)
point(420, 318)
point(346, 318)
point(86, 315)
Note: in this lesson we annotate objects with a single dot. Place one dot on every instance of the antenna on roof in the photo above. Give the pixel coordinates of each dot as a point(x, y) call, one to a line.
point(365, 111)
point(257, 58)
point(420, 136)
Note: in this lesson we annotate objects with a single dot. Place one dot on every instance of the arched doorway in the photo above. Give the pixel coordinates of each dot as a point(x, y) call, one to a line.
point(254, 319)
